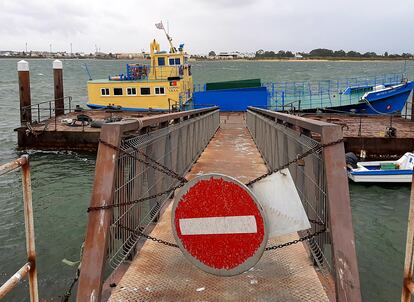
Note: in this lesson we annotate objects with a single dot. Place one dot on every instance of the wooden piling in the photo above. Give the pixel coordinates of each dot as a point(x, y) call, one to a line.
point(58, 85)
point(24, 92)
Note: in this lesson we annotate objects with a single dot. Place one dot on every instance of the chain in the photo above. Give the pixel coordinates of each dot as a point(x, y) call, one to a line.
point(299, 157)
point(140, 233)
point(307, 237)
point(269, 248)
point(167, 171)
point(155, 166)
point(116, 205)
point(173, 174)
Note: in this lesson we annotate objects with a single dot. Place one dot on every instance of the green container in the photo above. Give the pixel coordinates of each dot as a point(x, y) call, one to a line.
point(234, 84)
point(388, 166)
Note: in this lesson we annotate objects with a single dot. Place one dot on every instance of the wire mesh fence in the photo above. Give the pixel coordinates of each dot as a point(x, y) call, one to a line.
point(280, 144)
point(175, 147)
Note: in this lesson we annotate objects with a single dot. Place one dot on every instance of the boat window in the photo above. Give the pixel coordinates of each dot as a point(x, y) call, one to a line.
point(174, 61)
point(117, 91)
point(104, 91)
point(161, 61)
point(159, 90)
point(131, 91)
point(145, 91)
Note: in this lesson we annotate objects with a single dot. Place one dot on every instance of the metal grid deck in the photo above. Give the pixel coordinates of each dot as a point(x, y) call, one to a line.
point(161, 273)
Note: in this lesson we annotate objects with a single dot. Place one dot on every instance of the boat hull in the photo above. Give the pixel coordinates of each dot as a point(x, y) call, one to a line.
point(400, 176)
point(381, 102)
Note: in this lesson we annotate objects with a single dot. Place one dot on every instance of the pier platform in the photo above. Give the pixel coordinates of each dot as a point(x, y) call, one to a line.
point(162, 273)
point(369, 133)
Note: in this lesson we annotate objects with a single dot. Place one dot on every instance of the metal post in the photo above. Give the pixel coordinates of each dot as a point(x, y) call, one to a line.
point(93, 260)
point(409, 252)
point(58, 84)
point(29, 229)
point(340, 223)
point(24, 92)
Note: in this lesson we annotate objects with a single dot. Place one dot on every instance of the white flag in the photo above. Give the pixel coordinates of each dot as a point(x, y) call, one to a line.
point(159, 25)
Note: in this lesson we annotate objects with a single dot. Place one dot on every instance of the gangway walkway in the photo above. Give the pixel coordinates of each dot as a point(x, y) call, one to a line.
point(161, 273)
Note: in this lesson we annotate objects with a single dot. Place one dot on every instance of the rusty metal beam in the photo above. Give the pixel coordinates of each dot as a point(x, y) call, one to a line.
point(93, 260)
point(129, 125)
point(408, 284)
point(14, 280)
point(340, 217)
point(29, 229)
point(6, 168)
point(301, 122)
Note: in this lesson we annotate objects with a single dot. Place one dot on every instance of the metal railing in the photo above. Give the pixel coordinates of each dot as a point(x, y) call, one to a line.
point(323, 93)
point(29, 268)
point(40, 112)
point(322, 184)
point(123, 175)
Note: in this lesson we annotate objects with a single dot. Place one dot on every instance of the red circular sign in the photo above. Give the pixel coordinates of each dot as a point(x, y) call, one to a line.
point(219, 225)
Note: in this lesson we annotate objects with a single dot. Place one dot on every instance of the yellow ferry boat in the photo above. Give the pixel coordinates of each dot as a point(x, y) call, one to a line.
point(166, 84)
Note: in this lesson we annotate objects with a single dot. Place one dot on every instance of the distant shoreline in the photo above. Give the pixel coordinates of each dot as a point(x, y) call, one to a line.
point(307, 60)
point(330, 59)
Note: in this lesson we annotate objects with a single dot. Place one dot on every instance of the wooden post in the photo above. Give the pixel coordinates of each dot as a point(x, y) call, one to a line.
point(24, 92)
point(58, 84)
point(409, 251)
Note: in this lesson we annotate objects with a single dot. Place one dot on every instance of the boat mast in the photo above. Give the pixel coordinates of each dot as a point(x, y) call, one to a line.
point(161, 26)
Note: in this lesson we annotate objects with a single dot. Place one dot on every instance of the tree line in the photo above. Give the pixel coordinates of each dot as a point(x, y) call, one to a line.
point(328, 53)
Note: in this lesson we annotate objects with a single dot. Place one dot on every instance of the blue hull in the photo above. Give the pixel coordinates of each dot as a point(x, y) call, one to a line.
point(388, 101)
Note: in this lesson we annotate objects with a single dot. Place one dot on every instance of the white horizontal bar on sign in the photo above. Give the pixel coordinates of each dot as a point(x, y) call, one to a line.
point(218, 225)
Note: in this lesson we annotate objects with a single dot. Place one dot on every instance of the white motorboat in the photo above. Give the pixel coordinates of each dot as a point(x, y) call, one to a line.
point(399, 171)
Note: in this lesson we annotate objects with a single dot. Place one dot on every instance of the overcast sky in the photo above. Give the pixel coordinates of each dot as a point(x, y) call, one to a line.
point(204, 25)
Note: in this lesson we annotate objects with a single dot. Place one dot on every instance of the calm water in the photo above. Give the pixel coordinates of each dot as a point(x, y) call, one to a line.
point(62, 181)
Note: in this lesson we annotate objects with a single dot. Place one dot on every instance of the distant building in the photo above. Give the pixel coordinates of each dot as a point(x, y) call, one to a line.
point(229, 55)
point(129, 55)
point(298, 56)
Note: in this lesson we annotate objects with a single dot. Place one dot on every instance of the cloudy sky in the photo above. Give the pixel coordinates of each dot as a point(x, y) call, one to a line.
point(204, 25)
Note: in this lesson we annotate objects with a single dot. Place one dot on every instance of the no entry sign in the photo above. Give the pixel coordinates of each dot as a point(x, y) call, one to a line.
point(219, 225)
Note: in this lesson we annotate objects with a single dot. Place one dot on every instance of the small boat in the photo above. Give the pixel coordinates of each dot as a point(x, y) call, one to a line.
point(399, 171)
point(164, 85)
point(381, 99)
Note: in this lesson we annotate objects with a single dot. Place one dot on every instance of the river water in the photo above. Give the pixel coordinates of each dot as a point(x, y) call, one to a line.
point(62, 180)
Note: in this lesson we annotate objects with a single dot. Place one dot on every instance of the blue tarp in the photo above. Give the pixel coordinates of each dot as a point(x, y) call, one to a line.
point(231, 99)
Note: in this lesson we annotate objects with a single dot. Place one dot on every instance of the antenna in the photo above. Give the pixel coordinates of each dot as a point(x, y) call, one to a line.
point(87, 70)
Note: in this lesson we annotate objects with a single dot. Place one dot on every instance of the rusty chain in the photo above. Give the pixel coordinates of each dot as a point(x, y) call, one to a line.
point(163, 169)
point(156, 166)
point(298, 158)
point(269, 248)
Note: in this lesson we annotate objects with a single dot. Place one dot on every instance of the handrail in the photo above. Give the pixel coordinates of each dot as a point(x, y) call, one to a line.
point(47, 102)
point(96, 241)
point(30, 266)
point(347, 285)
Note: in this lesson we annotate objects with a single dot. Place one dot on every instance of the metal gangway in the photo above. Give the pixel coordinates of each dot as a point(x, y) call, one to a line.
point(129, 251)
